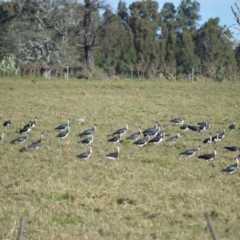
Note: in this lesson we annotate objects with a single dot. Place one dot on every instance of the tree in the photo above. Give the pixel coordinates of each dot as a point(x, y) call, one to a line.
point(45, 33)
point(188, 15)
point(214, 50)
point(168, 19)
point(144, 23)
point(116, 49)
point(187, 59)
point(48, 32)
point(167, 40)
point(229, 37)
point(122, 12)
point(236, 13)
point(89, 28)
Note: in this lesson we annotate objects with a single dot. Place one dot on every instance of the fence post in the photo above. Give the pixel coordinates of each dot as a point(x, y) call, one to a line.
point(67, 72)
point(21, 229)
point(211, 228)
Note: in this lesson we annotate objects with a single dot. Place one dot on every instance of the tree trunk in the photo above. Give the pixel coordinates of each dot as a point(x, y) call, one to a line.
point(89, 35)
point(89, 56)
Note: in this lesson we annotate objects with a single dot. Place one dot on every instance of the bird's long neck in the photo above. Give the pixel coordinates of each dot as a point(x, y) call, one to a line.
point(215, 152)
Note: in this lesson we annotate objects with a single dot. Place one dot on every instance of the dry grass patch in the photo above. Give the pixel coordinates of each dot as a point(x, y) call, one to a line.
point(148, 193)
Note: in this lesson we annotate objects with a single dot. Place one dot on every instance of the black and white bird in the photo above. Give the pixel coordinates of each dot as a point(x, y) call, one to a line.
point(114, 155)
point(116, 139)
point(215, 138)
point(135, 136)
point(162, 133)
point(88, 132)
point(85, 155)
point(88, 140)
point(26, 129)
point(209, 156)
point(121, 130)
point(80, 120)
point(205, 123)
point(232, 148)
point(208, 140)
point(63, 127)
point(173, 139)
point(31, 124)
point(232, 168)
point(184, 127)
point(177, 121)
point(193, 128)
point(190, 152)
point(204, 126)
point(151, 129)
point(20, 139)
point(158, 138)
point(153, 133)
point(37, 143)
point(143, 141)
point(8, 122)
point(221, 135)
point(232, 126)
point(34, 122)
point(65, 133)
point(1, 138)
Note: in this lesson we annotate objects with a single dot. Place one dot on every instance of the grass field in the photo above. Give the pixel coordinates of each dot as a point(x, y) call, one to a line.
point(147, 193)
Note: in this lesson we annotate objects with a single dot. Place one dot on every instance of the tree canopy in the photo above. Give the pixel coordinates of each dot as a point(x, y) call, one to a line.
point(142, 38)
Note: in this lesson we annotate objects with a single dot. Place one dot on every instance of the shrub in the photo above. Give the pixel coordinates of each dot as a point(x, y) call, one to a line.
point(8, 67)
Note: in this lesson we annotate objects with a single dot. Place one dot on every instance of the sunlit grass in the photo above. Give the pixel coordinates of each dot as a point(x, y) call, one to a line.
point(148, 193)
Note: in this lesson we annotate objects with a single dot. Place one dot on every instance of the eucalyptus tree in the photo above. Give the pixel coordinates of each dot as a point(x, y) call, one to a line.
point(214, 50)
point(126, 45)
point(187, 17)
point(116, 47)
point(167, 39)
point(186, 56)
point(236, 43)
point(122, 12)
point(144, 23)
point(90, 26)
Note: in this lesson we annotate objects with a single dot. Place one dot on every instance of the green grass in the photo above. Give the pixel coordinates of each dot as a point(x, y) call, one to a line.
point(148, 193)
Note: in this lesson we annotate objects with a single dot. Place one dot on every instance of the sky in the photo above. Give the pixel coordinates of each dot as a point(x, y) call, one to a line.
point(208, 9)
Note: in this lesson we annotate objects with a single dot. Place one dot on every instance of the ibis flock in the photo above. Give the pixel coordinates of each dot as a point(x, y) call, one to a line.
point(152, 135)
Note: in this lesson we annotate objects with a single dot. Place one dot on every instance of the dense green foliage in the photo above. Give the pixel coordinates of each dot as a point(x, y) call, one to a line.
point(139, 37)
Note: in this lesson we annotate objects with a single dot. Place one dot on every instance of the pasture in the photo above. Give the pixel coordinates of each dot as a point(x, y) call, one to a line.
point(148, 192)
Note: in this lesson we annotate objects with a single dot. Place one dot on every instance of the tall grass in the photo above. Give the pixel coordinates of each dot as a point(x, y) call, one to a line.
point(147, 193)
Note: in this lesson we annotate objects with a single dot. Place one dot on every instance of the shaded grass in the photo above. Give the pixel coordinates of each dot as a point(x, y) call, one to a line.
point(148, 193)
